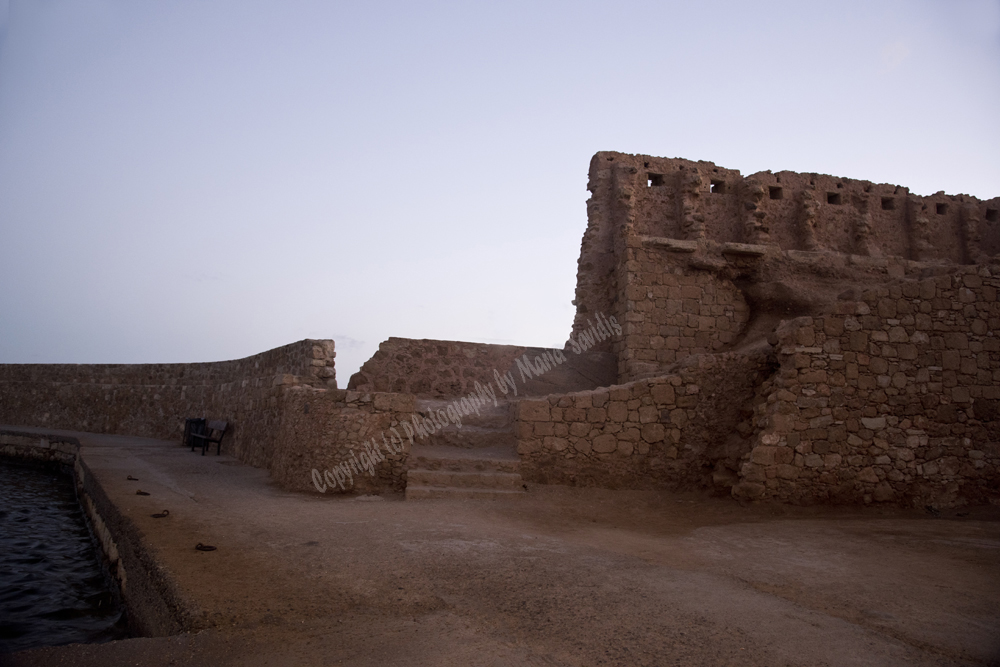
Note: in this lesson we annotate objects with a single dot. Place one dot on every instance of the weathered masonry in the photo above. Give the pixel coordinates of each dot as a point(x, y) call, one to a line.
point(793, 336)
point(796, 337)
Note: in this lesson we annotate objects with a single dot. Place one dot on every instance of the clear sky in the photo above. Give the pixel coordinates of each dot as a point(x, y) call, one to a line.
point(205, 180)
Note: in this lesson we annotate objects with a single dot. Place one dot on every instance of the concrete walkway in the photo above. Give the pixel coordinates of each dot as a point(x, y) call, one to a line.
point(559, 576)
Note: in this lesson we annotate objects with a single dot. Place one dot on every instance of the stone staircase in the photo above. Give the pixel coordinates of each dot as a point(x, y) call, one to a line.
point(478, 460)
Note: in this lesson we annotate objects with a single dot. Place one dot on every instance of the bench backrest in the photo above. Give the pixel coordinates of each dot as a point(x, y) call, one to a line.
point(217, 425)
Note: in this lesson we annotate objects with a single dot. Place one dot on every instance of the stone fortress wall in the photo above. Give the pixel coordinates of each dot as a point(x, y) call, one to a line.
point(796, 337)
point(666, 238)
point(884, 393)
point(894, 394)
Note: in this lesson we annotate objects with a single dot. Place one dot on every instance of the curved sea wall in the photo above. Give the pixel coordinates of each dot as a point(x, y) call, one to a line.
point(154, 606)
point(153, 400)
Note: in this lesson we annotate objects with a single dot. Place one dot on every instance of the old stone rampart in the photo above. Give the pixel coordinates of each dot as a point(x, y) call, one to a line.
point(893, 396)
point(153, 400)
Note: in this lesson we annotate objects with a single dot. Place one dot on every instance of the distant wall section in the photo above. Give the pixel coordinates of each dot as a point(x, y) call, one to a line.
point(153, 400)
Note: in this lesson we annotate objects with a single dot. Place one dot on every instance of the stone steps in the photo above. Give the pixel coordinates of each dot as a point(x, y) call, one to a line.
point(490, 479)
point(425, 492)
point(490, 428)
point(472, 437)
point(489, 417)
point(477, 461)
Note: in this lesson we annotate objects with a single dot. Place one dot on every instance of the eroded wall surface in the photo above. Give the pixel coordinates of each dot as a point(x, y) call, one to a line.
point(892, 396)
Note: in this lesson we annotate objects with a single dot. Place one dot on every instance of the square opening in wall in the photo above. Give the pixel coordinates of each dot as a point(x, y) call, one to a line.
point(941, 209)
point(775, 192)
point(833, 198)
point(992, 215)
point(653, 180)
point(888, 204)
point(718, 187)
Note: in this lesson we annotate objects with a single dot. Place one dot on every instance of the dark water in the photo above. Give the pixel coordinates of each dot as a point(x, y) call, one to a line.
point(52, 588)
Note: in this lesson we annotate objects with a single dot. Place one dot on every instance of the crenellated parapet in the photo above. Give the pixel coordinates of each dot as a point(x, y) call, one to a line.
point(661, 223)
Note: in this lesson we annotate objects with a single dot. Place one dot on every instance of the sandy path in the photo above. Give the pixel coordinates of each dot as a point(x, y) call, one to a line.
point(560, 577)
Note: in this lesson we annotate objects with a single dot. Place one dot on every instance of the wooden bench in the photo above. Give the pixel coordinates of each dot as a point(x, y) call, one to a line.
point(213, 432)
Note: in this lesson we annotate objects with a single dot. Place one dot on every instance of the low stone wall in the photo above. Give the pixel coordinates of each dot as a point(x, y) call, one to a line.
point(153, 400)
point(283, 407)
point(681, 430)
point(433, 367)
point(440, 369)
point(327, 429)
point(892, 398)
point(47, 448)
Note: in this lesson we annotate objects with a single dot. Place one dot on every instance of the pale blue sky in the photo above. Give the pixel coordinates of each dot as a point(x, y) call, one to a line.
point(194, 181)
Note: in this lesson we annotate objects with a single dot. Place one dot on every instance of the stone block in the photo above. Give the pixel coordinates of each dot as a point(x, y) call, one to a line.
point(956, 341)
point(555, 444)
point(648, 414)
point(763, 455)
point(868, 475)
point(531, 446)
point(873, 423)
point(605, 443)
point(617, 411)
point(662, 394)
point(543, 428)
point(786, 471)
point(887, 308)
point(534, 411)
point(898, 335)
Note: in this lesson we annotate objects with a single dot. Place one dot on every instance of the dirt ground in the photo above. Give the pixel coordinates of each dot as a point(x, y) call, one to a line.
point(562, 576)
